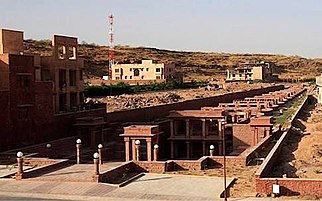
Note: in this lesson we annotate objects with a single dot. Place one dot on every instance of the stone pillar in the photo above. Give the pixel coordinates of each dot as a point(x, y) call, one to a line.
point(172, 133)
point(203, 127)
point(78, 147)
point(203, 148)
point(99, 149)
point(188, 150)
point(127, 149)
point(19, 174)
point(133, 150)
point(149, 149)
point(187, 128)
point(96, 164)
point(220, 151)
point(155, 152)
point(137, 147)
point(212, 150)
point(172, 149)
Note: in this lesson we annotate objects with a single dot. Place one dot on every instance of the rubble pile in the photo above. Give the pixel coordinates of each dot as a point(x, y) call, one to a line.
point(132, 101)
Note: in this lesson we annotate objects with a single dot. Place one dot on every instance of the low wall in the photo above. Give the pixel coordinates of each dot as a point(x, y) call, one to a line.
point(288, 186)
point(45, 166)
point(153, 166)
point(148, 114)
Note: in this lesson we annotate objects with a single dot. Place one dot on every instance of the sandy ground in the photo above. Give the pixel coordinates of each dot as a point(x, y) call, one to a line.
point(132, 101)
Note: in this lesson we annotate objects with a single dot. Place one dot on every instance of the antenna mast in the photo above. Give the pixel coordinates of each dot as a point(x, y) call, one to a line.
point(111, 45)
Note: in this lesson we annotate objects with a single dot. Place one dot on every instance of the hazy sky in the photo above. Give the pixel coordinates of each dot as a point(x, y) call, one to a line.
point(290, 27)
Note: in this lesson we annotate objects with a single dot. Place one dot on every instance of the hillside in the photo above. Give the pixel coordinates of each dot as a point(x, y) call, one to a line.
point(194, 65)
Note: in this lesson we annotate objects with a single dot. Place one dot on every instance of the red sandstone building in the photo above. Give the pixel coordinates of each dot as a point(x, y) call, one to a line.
point(33, 88)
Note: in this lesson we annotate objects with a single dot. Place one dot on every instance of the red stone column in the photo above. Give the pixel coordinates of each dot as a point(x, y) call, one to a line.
point(149, 149)
point(188, 150)
point(172, 149)
point(155, 152)
point(100, 147)
point(127, 149)
point(78, 147)
point(19, 174)
point(133, 150)
point(187, 128)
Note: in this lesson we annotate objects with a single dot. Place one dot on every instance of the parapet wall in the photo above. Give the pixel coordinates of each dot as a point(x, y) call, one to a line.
point(288, 186)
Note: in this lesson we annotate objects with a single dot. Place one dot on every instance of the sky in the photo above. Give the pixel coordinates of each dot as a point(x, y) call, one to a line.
point(288, 27)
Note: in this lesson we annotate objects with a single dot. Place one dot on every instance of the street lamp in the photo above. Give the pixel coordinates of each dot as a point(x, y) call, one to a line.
point(137, 145)
point(20, 165)
point(155, 152)
point(212, 150)
point(96, 163)
point(100, 147)
point(78, 145)
point(223, 122)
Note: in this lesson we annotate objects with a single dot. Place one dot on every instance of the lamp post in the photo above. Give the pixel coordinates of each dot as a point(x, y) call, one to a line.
point(100, 147)
point(223, 122)
point(78, 145)
point(212, 150)
point(48, 150)
point(20, 166)
point(137, 146)
point(96, 163)
point(155, 152)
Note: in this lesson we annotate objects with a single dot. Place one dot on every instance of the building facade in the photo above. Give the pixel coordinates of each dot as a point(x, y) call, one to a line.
point(250, 72)
point(36, 91)
point(145, 71)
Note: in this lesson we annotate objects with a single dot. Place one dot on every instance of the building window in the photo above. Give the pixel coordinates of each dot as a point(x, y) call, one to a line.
point(130, 77)
point(72, 78)
point(117, 78)
point(24, 81)
point(45, 75)
point(136, 72)
point(142, 77)
point(130, 69)
point(147, 69)
point(158, 77)
point(125, 77)
point(158, 70)
point(62, 102)
point(73, 101)
point(117, 70)
point(62, 78)
point(233, 75)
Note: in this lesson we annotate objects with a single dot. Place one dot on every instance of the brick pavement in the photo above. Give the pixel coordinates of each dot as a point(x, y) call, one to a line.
point(148, 187)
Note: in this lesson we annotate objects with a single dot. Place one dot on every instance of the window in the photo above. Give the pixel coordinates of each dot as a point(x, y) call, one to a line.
point(233, 75)
point(125, 77)
point(117, 70)
point(130, 77)
point(24, 81)
point(136, 72)
point(45, 75)
point(62, 78)
point(72, 78)
point(73, 101)
point(71, 52)
point(158, 77)
point(62, 102)
point(130, 69)
point(147, 69)
point(61, 52)
point(117, 78)
point(142, 77)
point(158, 70)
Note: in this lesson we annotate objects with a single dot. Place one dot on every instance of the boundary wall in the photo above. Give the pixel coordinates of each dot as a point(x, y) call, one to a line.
point(288, 186)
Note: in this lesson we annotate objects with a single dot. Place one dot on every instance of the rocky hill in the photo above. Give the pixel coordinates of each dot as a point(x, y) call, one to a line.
point(194, 65)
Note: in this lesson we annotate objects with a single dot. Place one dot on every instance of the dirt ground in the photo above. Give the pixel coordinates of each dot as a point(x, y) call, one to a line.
point(132, 101)
point(302, 153)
